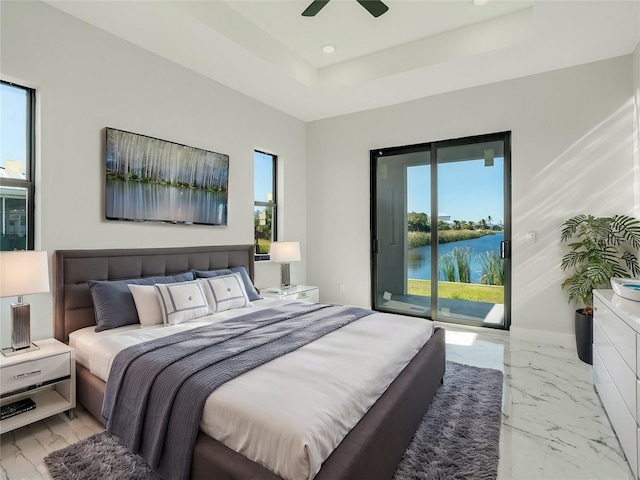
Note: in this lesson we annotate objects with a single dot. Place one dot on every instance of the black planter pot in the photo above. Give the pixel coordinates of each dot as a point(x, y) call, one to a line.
point(584, 336)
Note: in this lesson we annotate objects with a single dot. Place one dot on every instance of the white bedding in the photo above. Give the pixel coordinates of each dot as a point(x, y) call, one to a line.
point(292, 412)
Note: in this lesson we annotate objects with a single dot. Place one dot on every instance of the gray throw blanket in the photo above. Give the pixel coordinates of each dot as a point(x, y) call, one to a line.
point(157, 390)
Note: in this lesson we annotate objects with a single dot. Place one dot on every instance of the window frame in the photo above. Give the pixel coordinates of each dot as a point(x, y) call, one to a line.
point(30, 162)
point(273, 204)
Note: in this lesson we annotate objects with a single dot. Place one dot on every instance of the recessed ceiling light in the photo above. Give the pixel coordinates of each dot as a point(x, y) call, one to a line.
point(328, 48)
point(480, 2)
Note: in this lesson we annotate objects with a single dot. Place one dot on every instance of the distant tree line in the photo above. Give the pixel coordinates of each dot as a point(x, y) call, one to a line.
point(419, 222)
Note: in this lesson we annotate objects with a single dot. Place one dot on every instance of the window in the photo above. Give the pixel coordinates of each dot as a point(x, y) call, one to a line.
point(265, 202)
point(17, 170)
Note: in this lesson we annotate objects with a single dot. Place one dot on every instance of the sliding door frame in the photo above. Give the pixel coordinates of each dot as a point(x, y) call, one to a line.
point(432, 149)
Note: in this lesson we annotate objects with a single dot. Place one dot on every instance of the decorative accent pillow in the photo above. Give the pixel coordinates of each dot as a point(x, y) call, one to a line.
point(225, 292)
point(113, 302)
point(147, 304)
point(252, 293)
point(211, 273)
point(181, 302)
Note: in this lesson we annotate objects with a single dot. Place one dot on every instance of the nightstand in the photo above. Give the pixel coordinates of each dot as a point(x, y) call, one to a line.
point(46, 376)
point(305, 293)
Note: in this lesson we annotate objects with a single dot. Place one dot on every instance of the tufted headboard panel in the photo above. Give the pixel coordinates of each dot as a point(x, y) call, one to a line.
point(72, 303)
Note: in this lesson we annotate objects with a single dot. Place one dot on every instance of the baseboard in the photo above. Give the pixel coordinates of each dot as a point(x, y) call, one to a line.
point(566, 340)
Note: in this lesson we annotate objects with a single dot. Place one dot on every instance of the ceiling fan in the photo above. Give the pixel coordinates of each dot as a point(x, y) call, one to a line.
point(374, 7)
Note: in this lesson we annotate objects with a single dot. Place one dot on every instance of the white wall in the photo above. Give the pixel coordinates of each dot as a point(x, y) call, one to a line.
point(572, 136)
point(87, 80)
point(572, 152)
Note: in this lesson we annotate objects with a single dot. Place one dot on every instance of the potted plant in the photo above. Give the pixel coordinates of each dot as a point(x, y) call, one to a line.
point(600, 248)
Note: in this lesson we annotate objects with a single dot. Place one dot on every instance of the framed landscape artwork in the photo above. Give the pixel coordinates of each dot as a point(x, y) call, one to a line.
point(152, 180)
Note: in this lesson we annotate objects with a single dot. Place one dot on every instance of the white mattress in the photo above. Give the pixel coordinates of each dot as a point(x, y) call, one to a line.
point(292, 412)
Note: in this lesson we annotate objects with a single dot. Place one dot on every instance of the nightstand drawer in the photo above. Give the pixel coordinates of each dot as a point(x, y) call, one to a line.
point(304, 293)
point(33, 373)
point(307, 296)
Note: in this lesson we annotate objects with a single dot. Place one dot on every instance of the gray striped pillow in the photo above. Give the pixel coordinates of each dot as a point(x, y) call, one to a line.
point(181, 302)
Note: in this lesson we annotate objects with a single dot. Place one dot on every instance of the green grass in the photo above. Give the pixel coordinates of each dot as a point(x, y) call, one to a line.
point(463, 262)
point(264, 245)
point(472, 292)
point(492, 269)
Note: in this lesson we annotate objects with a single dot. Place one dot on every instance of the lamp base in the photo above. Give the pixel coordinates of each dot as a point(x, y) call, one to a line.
point(10, 351)
point(20, 325)
point(285, 276)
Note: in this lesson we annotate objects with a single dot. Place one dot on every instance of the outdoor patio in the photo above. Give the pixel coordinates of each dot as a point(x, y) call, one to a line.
point(480, 313)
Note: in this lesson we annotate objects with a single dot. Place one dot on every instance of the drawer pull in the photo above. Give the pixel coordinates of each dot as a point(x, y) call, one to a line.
point(27, 374)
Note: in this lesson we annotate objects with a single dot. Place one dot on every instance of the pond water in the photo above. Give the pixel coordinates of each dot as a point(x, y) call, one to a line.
point(419, 259)
point(144, 201)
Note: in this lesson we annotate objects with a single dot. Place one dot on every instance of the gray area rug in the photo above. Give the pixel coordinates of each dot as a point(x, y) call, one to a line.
point(457, 439)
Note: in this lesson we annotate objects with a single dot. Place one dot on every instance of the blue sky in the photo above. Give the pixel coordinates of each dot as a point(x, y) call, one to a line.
point(13, 123)
point(467, 190)
point(263, 182)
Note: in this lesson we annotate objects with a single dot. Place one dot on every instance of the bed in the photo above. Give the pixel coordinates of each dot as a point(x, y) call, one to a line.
point(372, 448)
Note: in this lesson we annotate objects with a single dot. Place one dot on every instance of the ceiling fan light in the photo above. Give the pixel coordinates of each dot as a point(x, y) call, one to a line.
point(328, 48)
point(480, 2)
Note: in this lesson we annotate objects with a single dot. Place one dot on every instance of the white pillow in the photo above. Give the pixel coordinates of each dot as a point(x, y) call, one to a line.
point(180, 302)
point(147, 304)
point(225, 292)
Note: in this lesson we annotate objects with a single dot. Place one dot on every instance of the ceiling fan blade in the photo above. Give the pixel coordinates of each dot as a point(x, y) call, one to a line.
point(375, 7)
point(313, 9)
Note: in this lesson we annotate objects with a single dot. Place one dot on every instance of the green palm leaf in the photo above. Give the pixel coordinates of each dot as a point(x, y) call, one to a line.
point(599, 248)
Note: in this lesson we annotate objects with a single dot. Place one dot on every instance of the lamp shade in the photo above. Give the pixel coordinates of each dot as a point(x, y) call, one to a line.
point(285, 252)
point(23, 273)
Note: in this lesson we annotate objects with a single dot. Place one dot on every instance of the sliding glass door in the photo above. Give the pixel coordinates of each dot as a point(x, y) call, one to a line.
point(440, 230)
point(402, 200)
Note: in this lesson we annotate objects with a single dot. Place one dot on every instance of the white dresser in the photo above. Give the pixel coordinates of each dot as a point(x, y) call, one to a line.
point(616, 367)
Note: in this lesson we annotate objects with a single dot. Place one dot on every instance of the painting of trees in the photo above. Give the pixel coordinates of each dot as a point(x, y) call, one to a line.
point(149, 179)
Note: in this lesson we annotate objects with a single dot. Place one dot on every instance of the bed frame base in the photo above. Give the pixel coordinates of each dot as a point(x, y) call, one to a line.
point(372, 449)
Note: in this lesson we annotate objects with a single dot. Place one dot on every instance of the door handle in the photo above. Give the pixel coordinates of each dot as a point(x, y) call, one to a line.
point(505, 249)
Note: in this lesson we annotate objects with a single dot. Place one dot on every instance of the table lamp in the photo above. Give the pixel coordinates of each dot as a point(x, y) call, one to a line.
point(285, 252)
point(22, 273)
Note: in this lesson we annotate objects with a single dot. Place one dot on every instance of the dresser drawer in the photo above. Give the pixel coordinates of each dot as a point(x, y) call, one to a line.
point(618, 333)
point(623, 378)
point(637, 355)
point(35, 372)
point(623, 423)
point(638, 403)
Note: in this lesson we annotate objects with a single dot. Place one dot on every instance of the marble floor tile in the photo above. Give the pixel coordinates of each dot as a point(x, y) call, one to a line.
point(22, 451)
point(553, 428)
point(553, 424)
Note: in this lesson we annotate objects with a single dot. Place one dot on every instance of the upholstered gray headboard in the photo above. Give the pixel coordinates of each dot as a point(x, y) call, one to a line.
point(72, 303)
